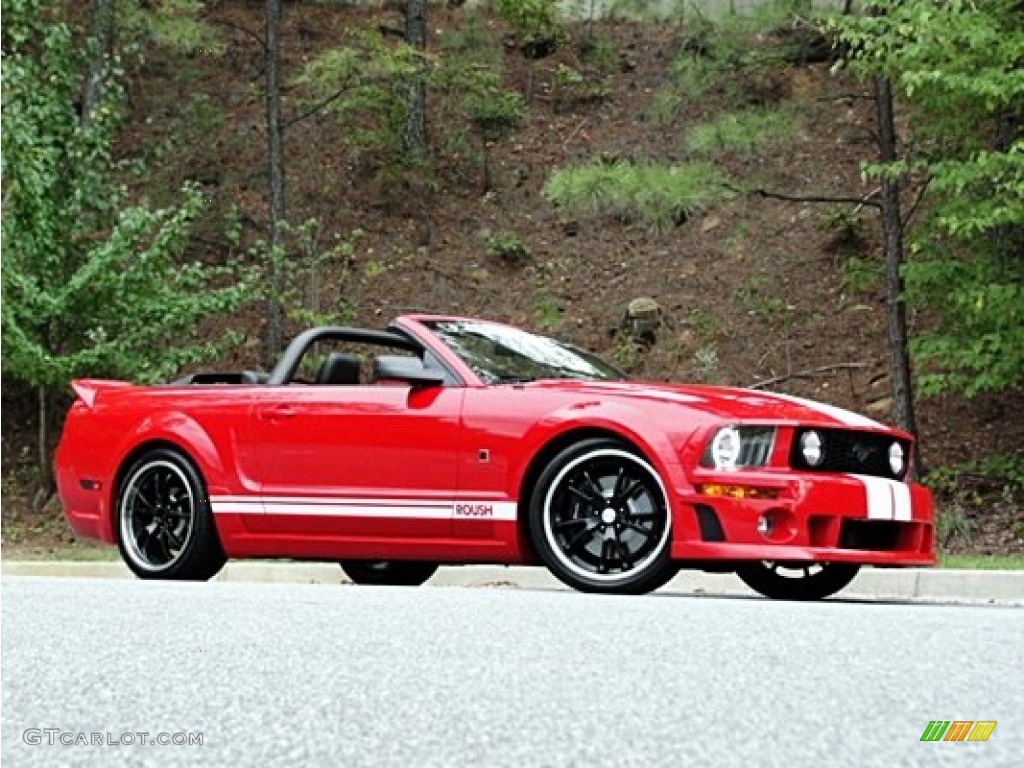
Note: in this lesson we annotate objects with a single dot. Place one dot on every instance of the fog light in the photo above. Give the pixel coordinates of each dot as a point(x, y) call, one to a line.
point(777, 525)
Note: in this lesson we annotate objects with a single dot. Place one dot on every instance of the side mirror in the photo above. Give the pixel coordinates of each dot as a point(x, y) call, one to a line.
point(407, 369)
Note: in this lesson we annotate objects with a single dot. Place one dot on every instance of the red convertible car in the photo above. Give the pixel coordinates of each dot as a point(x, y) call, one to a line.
point(446, 440)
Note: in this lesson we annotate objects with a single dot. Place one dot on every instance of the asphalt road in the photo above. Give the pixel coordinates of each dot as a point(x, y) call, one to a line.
point(343, 676)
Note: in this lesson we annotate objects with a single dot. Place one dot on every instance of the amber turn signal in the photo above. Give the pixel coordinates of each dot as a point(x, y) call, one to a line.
point(737, 491)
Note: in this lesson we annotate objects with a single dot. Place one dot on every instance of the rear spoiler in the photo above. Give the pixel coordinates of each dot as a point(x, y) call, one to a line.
point(88, 389)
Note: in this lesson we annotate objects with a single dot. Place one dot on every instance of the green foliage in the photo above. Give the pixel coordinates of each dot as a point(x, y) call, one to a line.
point(599, 51)
point(548, 313)
point(971, 488)
point(175, 24)
point(729, 54)
point(535, 23)
point(705, 324)
point(92, 284)
point(978, 344)
point(744, 132)
point(708, 364)
point(755, 297)
point(952, 527)
point(301, 263)
point(579, 87)
point(491, 109)
point(508, 246)
point(661, 195)
point(860, 274)
point(645, 10)
point(957, 65)
point(373, 76)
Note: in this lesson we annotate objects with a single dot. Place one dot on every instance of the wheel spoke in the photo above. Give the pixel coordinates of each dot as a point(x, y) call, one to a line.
point(586, 497)
point(165, 545)
point(645, 532)
point(173, 539)
point(598, 493)
point(573, 521)
point(629, 491)
point(139, 496)
point(577, 538)
point(151, 549)
point(623, 553)
point(617, 488)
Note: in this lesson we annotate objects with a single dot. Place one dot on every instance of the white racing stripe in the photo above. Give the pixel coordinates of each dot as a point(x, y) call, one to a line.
point(414, 509)
point(843, 416)
point(886, 499)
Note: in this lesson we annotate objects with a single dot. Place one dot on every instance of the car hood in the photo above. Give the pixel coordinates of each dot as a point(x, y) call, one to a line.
point(726, 403)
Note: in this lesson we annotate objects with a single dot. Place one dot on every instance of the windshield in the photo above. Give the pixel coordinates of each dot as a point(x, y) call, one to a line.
point(500, 354)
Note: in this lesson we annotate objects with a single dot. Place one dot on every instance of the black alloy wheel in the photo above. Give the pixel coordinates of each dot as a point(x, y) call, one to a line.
point(165, 528)
point(796, 581)
point(600, 521)
point(390, 573)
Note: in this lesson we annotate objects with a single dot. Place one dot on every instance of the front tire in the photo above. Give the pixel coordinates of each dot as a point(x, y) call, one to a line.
point(599, 520)
point(164, 524)
point(390, 573)
point(797, 581)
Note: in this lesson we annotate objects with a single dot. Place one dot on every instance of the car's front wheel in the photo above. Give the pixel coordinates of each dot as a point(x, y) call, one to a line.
point(391, 573)
point(600, 521)
point(796, 581)
point(165, 528)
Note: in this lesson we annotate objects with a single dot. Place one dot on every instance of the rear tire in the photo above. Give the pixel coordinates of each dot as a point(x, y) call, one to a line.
point(390, 573)
point(797, 581)
point(599, 520)
point(163, 521)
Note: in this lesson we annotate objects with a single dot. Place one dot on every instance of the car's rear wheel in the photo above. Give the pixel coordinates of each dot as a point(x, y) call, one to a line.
point(796, 581)
point(599, 519)
point(391, 573)
point(165, 528)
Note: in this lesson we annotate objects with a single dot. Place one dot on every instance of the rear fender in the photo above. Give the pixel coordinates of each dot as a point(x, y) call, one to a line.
point(178, 430)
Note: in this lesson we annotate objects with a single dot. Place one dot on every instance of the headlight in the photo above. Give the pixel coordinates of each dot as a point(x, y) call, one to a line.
point(725, 448)
point(896, 459)
point(811, 447)
point(735, 447)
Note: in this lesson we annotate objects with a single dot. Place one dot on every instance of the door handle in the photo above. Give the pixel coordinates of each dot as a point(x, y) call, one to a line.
point(275, 412)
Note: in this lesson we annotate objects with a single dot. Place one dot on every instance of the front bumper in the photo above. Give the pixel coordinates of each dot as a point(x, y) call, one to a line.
point(812, 518)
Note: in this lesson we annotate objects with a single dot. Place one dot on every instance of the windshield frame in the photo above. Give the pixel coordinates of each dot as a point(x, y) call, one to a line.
point(526, 360)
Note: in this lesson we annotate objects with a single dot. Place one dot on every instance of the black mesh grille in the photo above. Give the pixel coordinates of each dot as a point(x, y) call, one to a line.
point(861, 453)
point(870, 534)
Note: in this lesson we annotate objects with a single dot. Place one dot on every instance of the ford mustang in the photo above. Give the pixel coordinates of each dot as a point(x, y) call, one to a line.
point(446, 440)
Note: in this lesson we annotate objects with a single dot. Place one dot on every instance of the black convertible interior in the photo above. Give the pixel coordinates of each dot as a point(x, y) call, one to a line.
point(300, 364)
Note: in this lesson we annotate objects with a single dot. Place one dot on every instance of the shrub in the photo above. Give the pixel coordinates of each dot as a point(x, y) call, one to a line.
point(742, 132)
point(661, 195)
point(508, 246)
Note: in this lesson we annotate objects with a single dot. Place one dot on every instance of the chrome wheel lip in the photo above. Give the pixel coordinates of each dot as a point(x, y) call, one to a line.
point(127, 517)
point(552, 541)
point(810, 569)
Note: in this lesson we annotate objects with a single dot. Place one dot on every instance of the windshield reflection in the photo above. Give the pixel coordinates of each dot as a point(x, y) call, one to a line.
point(500, 354)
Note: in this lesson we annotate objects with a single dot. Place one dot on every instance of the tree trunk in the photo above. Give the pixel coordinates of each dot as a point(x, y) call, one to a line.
point(414, 136)
point(45, 480)
point(101, 38)
point(892, 228)
point(273, 340)
point(1008, 239)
